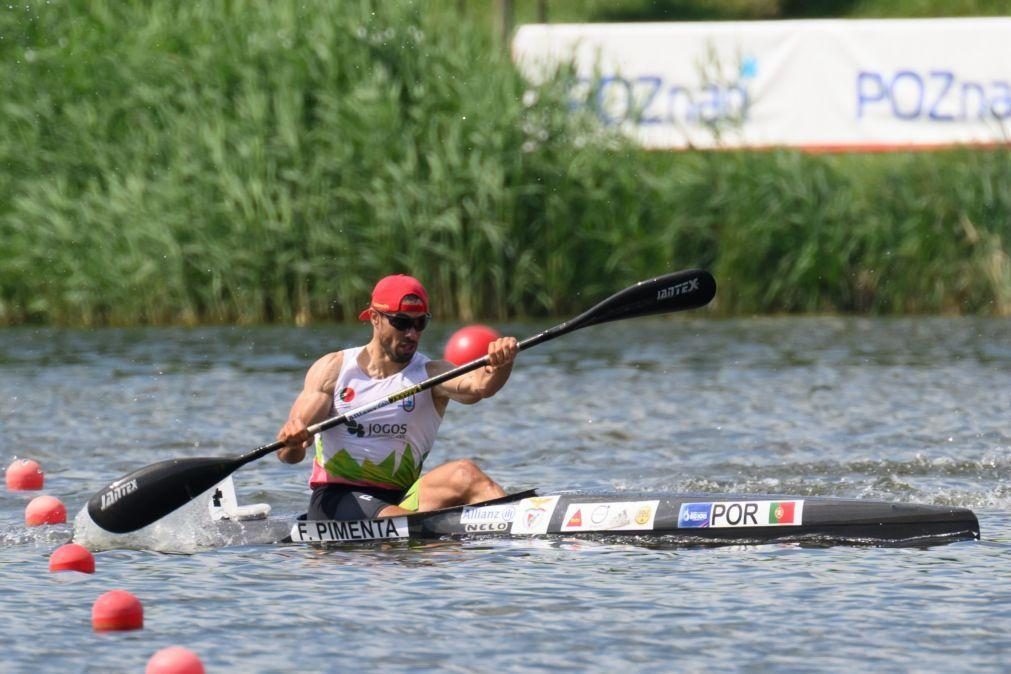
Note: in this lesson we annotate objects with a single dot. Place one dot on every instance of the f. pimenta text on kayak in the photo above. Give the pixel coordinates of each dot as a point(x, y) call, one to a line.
point(351, 530)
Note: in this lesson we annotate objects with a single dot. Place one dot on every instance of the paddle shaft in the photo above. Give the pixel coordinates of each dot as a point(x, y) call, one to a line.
point(432, 382)
point(681, 290)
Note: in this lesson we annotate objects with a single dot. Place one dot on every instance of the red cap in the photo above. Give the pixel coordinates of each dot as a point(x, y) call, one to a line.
point(388, 296)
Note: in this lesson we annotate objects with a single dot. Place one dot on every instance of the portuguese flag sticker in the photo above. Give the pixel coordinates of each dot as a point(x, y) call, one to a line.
point(781, 513)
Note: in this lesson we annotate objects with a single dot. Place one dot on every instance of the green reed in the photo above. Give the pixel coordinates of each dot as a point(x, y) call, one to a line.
point(237, 161)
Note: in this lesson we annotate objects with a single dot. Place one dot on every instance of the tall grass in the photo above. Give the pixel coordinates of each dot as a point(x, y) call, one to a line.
point(250, 161)
point(854, 233)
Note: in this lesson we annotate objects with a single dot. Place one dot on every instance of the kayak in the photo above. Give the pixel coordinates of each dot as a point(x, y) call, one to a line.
point(674, 518)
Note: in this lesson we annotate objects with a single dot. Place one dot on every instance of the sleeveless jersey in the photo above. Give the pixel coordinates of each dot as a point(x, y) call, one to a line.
point(386, 447)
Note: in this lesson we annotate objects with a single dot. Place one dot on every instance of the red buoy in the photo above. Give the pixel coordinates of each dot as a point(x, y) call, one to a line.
point(45, 510)
point(24, 475)
point(117, 610)
point(174, 660)
point(469, 343)
point(72, 557)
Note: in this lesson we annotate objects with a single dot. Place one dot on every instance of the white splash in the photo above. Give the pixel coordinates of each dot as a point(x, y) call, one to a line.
point(198, 525)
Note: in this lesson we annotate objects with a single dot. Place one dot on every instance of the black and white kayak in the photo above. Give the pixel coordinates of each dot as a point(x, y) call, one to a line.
point(674, 518)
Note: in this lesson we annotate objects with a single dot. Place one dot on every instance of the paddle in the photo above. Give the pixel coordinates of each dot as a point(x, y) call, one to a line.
point(148, 494)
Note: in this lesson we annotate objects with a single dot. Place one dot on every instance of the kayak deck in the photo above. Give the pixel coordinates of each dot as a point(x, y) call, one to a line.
point(676, 518)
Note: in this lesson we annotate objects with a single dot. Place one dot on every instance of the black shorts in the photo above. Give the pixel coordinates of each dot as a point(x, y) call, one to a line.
point(347, 502)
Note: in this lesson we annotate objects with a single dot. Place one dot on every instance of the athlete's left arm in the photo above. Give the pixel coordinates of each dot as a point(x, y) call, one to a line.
point(481, 383)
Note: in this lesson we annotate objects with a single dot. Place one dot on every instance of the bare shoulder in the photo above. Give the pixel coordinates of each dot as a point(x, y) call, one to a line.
point(331, 361)
point(324, 372)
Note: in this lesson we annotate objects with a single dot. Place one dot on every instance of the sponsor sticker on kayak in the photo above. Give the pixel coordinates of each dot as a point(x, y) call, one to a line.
point(493, 513)
point(611, 516)
point(724, 514)
point(334, 531)
point(695, 515)
point(533, 515)
point(484, 519)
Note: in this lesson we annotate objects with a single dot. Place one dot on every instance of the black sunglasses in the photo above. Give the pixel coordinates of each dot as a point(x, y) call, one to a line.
point(403, 322)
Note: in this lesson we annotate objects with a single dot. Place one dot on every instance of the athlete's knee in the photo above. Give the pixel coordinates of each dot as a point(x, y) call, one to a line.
point(467, 477)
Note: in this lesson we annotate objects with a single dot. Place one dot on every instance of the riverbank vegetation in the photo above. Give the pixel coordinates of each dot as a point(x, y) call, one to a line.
point(251, 162)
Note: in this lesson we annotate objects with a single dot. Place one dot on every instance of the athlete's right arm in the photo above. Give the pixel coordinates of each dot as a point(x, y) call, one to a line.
point(311, 406)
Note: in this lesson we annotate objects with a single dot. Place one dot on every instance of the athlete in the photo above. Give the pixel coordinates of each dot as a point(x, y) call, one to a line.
point(371, 466)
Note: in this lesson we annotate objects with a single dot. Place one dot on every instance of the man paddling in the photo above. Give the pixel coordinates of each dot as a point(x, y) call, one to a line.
point(372, 466)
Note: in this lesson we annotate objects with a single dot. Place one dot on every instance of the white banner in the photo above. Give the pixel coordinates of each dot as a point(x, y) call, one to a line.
point(819, 84)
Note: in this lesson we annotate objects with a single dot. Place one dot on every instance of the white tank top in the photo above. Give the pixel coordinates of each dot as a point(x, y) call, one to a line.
point(386, 447)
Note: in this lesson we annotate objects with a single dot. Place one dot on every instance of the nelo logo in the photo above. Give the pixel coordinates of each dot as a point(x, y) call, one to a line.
point(486, 527)
point(347, 394)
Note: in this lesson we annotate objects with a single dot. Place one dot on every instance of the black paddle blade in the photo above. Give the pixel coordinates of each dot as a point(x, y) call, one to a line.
point(689, 289)
point(148, 494)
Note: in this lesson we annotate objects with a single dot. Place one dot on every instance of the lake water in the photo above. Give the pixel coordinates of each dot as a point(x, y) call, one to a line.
point(912, 410)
